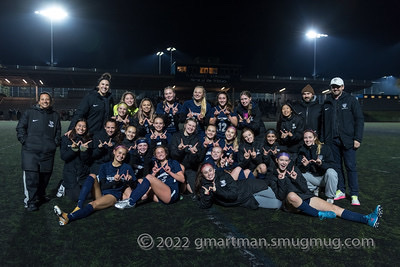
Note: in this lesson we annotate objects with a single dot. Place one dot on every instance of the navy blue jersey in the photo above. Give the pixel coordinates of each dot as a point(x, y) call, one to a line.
point(108, 171)
point(196, 110)
point(170, 120)
point(208, 149)
point(168, 179)
point(222, 122)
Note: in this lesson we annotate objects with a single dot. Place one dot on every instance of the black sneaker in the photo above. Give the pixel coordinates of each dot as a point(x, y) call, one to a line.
point(32, 207)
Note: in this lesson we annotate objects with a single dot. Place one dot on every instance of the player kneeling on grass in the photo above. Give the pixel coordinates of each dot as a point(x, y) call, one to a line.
point(113, 178)
point(292, 190)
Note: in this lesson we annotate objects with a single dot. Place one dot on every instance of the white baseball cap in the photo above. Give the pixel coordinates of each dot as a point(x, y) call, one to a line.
point(337, 81)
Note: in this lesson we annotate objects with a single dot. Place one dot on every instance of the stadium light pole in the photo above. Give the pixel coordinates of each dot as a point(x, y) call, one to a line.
point(171, 49)
point(54, 14)
point(311, 34)
point(159, 54)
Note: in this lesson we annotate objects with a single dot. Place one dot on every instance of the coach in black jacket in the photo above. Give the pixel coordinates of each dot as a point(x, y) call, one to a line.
point(96, 106)
point(39, 131)
point(343, 126)
point(309, 109)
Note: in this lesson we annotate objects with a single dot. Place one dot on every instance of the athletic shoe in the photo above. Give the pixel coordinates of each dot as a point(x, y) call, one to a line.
point(330, 200)
point(373, 218)
point(60, 191)
point(326, 215)
point(355, 201)
point(339, 195)
point(62, 216)
point(124, 204)
point(316, 192)
point(32, 207)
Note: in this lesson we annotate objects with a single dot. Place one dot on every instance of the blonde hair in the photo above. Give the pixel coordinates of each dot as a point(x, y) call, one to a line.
point(317, 141)
point(141, 115)
point(236, 139)
point(203, 109)
point(168, 88)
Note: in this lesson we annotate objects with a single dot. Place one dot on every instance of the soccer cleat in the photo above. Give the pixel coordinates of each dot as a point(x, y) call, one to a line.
point(330, 200)
point(60, 191)
point(124, 204)
point(339, 195)
point(373, 218)
point(62, 216)
point(355, 201)
point(32, 207)
point(326, 215)
point(316, 192)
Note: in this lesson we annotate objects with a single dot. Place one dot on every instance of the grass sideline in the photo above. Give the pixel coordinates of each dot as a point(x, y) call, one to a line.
point(109, 237)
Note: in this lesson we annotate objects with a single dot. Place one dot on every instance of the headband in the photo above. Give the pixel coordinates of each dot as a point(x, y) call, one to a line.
point(120, 146)
point(204, 165)
point(141, 141)
point(283, 154)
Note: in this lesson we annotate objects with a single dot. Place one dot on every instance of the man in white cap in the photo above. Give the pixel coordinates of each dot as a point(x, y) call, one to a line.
point(342, 129)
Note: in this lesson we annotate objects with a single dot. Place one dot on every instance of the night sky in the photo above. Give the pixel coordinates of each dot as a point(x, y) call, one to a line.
point(265, 37)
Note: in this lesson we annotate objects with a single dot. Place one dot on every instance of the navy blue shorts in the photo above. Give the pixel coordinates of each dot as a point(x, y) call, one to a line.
point(116, 193)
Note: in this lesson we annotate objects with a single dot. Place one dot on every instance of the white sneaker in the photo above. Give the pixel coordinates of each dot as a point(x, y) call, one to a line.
point(124, 204)
point(330, 200)
point(60, 191)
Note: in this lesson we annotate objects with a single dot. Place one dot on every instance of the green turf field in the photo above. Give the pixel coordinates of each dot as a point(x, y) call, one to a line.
point(184, 235)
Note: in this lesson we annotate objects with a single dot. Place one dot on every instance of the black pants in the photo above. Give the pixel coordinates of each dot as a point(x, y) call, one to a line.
point(35, 184)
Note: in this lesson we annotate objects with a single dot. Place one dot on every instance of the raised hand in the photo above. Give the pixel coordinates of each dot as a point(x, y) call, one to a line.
point(110, 144)
point(246, 154)
point(167, 168)
point(293, 174)
point(216, 112)
point(266, 152)
point(86, 145)
point(117, 176)
point(305, 161)
point(164, 135)
point(194, 149)
point(253, 153)
point(155, 169)
point(281, 174)
point(74, 144)
point(240, 118)
point(175, 109)
point(225, 148)
point(181, 145)
point(190, 114)
point(216, 143)
point(100, 144)
point(284, 134)
point(206, 191)
point(167, 108)
point(128, 176)
point(152, 136)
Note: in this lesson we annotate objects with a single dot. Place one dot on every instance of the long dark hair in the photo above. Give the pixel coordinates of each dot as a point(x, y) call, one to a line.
point(199, 178)
point(86, 136)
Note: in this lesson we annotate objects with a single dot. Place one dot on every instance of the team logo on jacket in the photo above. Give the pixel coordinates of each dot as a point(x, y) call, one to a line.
point(344, 106)
point(223, 183)
point(51, 124)
point(294, 126)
